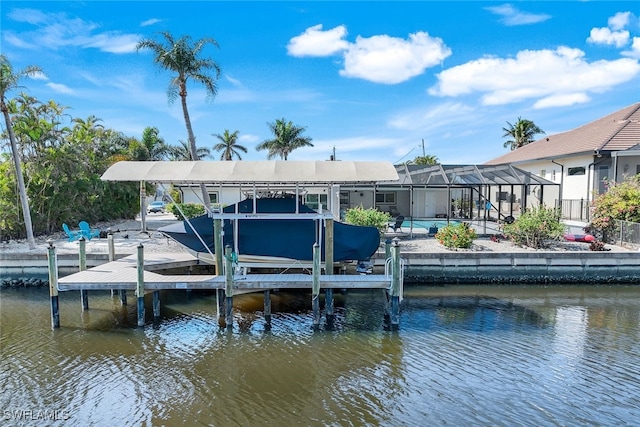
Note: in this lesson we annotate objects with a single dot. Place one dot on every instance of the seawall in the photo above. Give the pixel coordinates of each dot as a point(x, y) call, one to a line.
point(431, 268)
point(523, 267)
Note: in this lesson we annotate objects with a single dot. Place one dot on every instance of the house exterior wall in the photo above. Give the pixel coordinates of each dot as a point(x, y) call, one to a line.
point(575, 185)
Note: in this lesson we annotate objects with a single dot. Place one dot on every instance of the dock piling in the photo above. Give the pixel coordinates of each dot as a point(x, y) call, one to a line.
point(82, 262)
point(112, 251)
point(53, 285)
point(315, 287)
point(140, 285)
point(156, 304)
point(228, 286)
point(267, 308)
point(395, 286)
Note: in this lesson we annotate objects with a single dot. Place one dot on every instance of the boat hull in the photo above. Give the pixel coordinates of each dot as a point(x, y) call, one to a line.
point(282, 238)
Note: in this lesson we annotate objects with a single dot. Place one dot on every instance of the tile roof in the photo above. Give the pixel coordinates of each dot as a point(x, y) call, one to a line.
point(615, 132)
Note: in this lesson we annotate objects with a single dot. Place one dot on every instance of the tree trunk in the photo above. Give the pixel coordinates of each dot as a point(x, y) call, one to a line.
point(26, 212)
point(193, 149)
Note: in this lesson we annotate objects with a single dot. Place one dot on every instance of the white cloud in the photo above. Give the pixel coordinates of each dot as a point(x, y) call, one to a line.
point(635, 49)
point(315, 42)
point(607, 37)
point(562, 100)
point(150, 22)
point(433, 117)
point(380, 59)
point(248, 138)
point(56, 30)
point(548, 75)
point(512, 16)
point(619, 21)
point(113, 43)
point(60, 88)
point(39, 75)
point(390, 60)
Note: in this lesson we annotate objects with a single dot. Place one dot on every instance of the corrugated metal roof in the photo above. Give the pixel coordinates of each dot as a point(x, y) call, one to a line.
point(249, 172)
point(617, 131)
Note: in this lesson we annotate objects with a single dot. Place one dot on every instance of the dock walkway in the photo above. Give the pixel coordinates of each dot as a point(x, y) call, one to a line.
point(122, 275)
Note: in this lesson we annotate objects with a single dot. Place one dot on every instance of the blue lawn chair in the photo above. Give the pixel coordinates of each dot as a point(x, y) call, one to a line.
point(72, 234)
point(87, 232)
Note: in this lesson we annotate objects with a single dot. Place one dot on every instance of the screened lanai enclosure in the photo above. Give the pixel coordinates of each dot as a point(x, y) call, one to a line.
point(478, 193)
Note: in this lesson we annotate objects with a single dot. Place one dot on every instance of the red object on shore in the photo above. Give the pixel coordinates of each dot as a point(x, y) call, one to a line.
point(587, 238)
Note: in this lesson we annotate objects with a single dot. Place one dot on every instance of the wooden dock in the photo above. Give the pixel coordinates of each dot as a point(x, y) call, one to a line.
point(122, 275)
point(143, 274)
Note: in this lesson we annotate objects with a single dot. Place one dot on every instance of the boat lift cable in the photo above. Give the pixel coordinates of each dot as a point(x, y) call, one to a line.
point(189, 223)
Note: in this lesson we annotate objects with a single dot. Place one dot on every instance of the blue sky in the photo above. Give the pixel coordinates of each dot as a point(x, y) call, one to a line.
point(372, 79)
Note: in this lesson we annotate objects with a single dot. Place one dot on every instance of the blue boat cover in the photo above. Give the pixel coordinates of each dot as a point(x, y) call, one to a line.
point(290, 238)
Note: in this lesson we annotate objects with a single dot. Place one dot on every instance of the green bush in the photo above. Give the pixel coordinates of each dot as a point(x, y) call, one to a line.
point(535, 227)
point(456, 236)
point(191, 210)
point(620, 202)
point(368, 217)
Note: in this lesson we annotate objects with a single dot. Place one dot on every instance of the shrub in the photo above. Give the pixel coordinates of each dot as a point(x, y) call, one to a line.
point(191, 210)
point(368, 217)
point(620, 202)
point(534, 227)
point(456, 236)
point(597, 245)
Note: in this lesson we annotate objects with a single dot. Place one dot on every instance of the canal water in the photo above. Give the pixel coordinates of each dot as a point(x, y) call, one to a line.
point(464, 355)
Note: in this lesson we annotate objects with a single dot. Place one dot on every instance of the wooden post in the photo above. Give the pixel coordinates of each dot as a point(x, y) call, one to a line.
point(112, 251)
point(315, 287)
point(387, 249)
point(395, 285)
point(140, 285)
point(328, 268)
point(217, 244)
point(228, 287)
point(328, 306)
point(220, 302)
point(84, 297)
point(156, 304)
point(53, 285)
point(267, 308)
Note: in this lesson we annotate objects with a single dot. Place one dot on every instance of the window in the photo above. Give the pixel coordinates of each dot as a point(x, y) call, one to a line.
point(543, 173)
point(344, 198)
point(383, 198)
point(580, 170)
point(213, 197)
point(553, 175)
point(313, 201)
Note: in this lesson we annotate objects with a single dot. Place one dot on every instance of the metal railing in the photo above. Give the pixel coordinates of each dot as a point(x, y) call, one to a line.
point(625, 233)
point(575, 210)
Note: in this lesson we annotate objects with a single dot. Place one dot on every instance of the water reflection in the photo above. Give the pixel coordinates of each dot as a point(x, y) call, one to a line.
point(463, 356)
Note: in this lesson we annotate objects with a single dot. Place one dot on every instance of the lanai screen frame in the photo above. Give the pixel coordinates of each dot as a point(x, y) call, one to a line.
point(481, 178)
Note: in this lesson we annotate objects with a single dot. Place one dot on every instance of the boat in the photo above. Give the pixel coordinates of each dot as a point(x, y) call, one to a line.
point(264, 237)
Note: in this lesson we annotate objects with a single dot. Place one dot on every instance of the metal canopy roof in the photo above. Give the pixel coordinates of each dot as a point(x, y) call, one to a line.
point(467, 175)
point(252, 172)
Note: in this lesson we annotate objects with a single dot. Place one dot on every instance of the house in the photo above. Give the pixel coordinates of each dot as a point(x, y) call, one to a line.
point(584, 159)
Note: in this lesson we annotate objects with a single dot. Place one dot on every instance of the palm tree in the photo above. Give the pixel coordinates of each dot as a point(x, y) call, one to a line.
point(521, 133)
point(183, 57)
point(228, 145)
point(8, 81)
point(182, 152)
point(154, 144)
point(287, 137)
point(427, 159)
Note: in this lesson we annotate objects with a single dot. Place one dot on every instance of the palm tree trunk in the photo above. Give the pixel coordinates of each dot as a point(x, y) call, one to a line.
point(26, 212)
point(193, 149)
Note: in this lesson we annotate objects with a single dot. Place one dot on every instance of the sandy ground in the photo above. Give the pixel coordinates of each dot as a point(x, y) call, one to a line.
point(128, 236)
